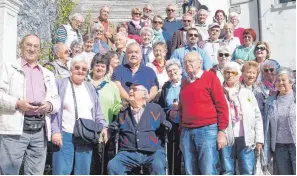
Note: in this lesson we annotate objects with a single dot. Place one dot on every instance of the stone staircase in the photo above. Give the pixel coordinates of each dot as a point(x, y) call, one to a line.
point(121, 9)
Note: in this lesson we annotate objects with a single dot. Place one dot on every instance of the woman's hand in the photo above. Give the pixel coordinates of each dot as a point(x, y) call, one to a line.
point(104, 135)
point(57, 139)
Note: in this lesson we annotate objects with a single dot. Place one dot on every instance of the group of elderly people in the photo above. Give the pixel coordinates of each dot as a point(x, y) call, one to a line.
point(222, 102)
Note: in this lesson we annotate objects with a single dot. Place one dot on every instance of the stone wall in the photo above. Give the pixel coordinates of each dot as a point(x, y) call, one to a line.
point(38, 17)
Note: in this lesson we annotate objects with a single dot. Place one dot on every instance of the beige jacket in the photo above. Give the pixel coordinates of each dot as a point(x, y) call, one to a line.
point(12, 88)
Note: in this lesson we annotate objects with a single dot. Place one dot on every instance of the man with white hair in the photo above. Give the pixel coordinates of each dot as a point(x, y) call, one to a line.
point(70, 32)
point(147, 15)
point(109, 27)
point(202, 25)
point(238, 31)
point(147, 35)
point(28, 95)
point(120, 42)
point(142, 125)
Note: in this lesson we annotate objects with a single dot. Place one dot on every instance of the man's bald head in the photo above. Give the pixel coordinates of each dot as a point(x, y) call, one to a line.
point(192, 63)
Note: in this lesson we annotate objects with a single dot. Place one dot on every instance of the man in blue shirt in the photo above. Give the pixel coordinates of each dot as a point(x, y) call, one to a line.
point(192, 40)
point(134, 70)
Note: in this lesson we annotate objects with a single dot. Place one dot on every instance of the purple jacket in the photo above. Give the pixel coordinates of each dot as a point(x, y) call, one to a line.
point(56, 119)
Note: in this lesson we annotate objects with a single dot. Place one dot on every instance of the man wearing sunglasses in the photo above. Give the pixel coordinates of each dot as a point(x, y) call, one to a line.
point(193, 38)
point(212, 45)
point(179, 37)
point(147, 15)
point(59, 66)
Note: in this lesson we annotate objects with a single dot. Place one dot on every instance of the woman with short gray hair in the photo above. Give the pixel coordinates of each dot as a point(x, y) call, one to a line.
point(224, 56)
point(76, 48)
point(79, 100)
point(245, 128)
point(70, 32)
point(169, 101)
point(280, 125)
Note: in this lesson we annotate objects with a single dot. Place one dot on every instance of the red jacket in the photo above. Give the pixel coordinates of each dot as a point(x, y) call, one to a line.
point(203, 103)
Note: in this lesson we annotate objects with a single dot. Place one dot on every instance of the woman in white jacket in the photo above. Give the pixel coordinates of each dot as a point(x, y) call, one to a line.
point(245, 130)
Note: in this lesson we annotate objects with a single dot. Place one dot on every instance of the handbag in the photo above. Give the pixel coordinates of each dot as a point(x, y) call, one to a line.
point(85, 130)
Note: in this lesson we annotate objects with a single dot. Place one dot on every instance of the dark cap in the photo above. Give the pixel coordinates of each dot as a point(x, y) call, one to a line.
point(134, 82)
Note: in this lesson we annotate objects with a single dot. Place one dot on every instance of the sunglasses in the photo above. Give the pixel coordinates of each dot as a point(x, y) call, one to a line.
point(266, 70)
point(77, 68)
point(261, 48)
point(193, 35)
point(234, 73)
point(189, 21)
point(67, 52)
point(148, 10)
point(158, 22)
point(137, 14)
point(224, 54)
point(170, 10)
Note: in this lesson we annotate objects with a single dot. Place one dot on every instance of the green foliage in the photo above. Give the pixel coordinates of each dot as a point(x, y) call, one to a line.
point(64, 9)
point(86, 26)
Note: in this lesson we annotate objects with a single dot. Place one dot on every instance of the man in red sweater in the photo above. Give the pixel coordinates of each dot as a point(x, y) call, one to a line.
point(204, 118)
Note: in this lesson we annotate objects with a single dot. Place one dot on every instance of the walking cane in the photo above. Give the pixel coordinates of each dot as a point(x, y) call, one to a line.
point(166, 141)
point(103, 157)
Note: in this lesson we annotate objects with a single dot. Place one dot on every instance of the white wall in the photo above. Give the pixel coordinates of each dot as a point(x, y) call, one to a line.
point(214, 5)
point(279, 30)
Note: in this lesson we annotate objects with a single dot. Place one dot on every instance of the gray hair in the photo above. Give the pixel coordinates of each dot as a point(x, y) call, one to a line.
point(224, 48)
point(148, 5)
point(145, 30)
point(233, 66)
point(234, 14)
point(56, 49)
point(172, 5)
point(171, 62)
point(76, 42)
point(268, 63)
point(76, 16)
point(201, 10)
point(288, 71)
point(79, 58)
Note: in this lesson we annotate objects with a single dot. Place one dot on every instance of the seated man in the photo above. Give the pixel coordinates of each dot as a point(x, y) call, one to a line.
point(140, 123)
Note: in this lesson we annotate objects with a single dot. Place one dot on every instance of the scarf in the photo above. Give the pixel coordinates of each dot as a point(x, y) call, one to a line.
point(136, 24)
point(158, 35)
point(158, 67)
point(233, 98)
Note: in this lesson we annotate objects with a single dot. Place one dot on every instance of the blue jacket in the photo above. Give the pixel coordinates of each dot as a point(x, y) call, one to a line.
point(270, 126)
point(144, 135)
point(96, 46)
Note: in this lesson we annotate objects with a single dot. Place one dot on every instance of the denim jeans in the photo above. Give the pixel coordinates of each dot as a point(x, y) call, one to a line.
point(125, 161)
point(285, 157)
point(63, 159)
point(239, 151)
point(199, 148)
point(30, 146)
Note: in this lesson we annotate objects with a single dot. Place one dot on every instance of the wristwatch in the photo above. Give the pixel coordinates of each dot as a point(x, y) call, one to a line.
point(224, 131)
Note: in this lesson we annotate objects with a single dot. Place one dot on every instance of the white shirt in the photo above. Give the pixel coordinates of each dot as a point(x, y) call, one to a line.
point(197, 76)
point(211, 48)
point(84, 105)
point(203, 30)
point(232, 43)
point(162, 77)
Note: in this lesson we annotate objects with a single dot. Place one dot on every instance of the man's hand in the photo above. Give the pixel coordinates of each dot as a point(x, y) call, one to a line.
point(24, 105)
point(133, 103)
point(173, 114)
point(104, 135)
point(240, 61)
point(259, 146)
point(108, 35)
point(221, 140)
point(45, 107)
point(57, 139)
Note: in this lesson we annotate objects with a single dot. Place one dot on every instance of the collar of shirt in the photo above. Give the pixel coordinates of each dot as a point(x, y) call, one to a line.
point(197, 76)
point(213, 41)
point(61, 64)
point(201, 24)
point(166, 19)
point(195, 47)
point(176, 84)
point(148, 46)
point(25, 63)
point(127, 66)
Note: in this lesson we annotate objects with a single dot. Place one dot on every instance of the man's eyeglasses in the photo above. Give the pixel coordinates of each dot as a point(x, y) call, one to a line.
point(30, 45)
point(170, 10)
point(234, 73)
point(136, 89)
point(189, 21)
point(190, 61)
point(266, 70)
point(148, 10)
point(193, 35)
point(77, 68)
point(261, 48)
point(157, 22)
point(224, 54)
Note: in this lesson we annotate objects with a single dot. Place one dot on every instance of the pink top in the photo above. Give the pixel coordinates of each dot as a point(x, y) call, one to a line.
point(239, 33)
point(101, 48)
point(35, 86)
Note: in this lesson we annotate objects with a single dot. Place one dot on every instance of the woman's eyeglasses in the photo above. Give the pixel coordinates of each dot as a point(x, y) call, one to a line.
point(261, 48)
point(266, 70)
point(234, 73)
point(137, 14)
point(247, 37)
point(224, 54)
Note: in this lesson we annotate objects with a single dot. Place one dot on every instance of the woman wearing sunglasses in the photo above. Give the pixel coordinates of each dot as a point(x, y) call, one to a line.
point(135, 25)
point(245, 52)
point(262, 53)
point(245, 129)
point(224, 57)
